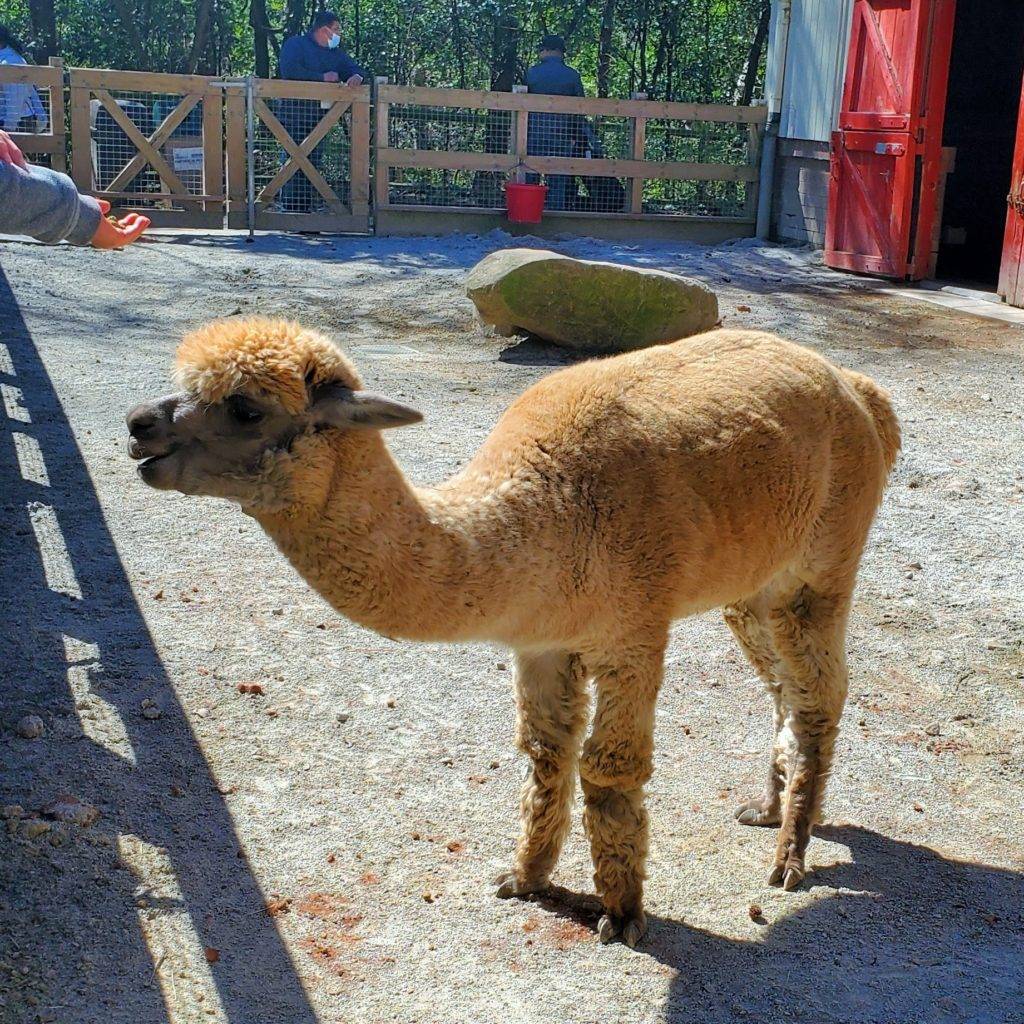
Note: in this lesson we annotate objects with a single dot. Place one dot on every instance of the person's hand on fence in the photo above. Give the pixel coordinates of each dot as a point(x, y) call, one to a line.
point(116, 235)
point(330, 76)
point(354, 80)
point(9, 152)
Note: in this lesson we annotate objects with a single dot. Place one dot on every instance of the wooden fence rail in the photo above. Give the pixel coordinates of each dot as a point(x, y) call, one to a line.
point(48, 83)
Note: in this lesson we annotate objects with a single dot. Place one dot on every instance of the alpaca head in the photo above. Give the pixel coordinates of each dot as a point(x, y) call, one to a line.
point(259, 398)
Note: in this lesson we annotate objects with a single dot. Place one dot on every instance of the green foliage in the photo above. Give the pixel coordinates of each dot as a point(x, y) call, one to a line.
point(695, 50)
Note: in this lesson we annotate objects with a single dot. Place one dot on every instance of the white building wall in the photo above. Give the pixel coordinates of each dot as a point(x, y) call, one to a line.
point(819, 36)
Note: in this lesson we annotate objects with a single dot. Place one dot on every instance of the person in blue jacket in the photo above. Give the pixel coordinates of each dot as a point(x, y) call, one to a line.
point(316, 56)
point(21, 110)
point(553, 134)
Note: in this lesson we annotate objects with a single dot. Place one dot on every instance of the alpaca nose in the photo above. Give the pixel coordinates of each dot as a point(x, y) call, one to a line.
point(142, 421)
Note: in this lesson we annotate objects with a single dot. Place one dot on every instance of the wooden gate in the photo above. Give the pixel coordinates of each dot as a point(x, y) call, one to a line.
point(887, 153)
point(310, 155)
point(150, 142)
point(47, 84)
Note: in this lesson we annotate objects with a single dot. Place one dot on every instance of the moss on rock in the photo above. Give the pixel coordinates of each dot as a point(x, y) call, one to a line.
point(587, 305)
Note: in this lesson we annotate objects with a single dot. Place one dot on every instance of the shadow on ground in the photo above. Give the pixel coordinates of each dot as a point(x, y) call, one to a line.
point(904, 936)
point(94, 928)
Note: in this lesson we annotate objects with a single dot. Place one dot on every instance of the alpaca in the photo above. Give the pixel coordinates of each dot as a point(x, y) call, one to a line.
point(733, 469)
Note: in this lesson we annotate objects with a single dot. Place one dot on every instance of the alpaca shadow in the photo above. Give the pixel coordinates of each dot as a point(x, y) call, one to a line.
point(113, 921)
point(900, 935)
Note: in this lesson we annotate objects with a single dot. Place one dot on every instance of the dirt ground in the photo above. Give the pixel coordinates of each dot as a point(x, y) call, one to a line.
point(323, 851)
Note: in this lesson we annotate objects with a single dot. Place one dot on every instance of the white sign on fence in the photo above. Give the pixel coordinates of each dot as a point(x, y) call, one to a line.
point(188, 158)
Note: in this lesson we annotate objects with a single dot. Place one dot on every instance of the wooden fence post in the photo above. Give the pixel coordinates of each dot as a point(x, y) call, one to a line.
point(213, 154)
point(59, 157)
point(521, 136)
point(636, 193)
point(234, 139)
point(81, 136)
point(381, 188)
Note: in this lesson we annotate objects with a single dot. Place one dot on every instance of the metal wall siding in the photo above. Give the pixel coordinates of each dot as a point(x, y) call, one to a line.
point(819, 36)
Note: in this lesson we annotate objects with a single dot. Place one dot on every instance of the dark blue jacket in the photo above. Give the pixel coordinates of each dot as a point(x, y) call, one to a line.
point(551, 77)
point(303, 59)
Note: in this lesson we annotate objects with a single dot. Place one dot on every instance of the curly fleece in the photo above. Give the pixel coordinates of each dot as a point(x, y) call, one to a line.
point(260, 355)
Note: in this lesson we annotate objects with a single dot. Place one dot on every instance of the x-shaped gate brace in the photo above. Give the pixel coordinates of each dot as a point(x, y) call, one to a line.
point(149, 147)
point(299, 153)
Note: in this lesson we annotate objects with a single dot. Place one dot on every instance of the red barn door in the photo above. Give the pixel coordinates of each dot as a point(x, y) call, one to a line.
point(1011, 271)
point(886, 155)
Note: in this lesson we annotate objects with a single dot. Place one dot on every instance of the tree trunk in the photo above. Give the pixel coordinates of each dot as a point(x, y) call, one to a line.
point(129, 25)
point(604, 46)
point(44, 29)
point(260, 37)
point(754, 55)
point(295, 18)
point(201, 38)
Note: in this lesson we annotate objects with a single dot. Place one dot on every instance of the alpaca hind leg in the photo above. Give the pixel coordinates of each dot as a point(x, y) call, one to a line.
point(616, 762)
point(808, 632)
point(747, 622)
point(552, 703)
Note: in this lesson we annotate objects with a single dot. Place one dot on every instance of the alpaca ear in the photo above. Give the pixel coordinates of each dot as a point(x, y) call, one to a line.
point(337, 406)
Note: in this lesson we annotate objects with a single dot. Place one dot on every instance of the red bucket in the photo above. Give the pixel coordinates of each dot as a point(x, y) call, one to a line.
point(525, 203)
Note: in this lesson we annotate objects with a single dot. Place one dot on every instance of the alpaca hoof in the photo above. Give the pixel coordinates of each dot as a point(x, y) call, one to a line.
point(789, 875)
point(758, 812)
point(510, 884)
point(630, 929)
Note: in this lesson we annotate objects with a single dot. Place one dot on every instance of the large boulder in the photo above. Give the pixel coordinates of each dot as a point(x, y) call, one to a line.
point(587, 305)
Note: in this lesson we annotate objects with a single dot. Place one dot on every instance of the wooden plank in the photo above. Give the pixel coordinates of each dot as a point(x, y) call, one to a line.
point(442, 159)
point(235, 146)
point(306, 146)
point(483, 99)
point(522, 142)
point(296, 154)
point(410, 208)
point(58, 123)
point(81, 140)
point(381, 167)
point(213, 152)
point(359, 160)
point(445, 159)
point(277, 88)
point(131, 170)
point(39, 75)
point(161, 197)
point(139, 81)
point(636, 190)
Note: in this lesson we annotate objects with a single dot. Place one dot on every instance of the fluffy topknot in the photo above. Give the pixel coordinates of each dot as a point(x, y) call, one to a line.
point(277, 357)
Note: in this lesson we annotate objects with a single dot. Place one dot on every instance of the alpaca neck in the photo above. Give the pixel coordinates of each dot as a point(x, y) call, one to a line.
point(401, 561)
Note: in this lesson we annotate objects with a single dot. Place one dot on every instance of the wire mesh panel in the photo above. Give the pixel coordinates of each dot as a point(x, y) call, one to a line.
point(150, 142)
point(455, 150)
point(32, 111)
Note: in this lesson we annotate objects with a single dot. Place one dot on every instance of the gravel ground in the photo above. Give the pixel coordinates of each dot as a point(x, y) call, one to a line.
point(322, 850)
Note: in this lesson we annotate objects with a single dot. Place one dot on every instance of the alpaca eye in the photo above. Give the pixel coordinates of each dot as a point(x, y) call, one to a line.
point(243, 411)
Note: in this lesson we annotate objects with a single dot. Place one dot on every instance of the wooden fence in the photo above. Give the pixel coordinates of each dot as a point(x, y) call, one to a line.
point(444, 152)
point(150, 142)
point(25, 83)
point(310, 156)
point(190, 150)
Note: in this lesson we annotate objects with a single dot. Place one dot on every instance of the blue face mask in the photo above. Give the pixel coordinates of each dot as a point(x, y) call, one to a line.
point(334, 41)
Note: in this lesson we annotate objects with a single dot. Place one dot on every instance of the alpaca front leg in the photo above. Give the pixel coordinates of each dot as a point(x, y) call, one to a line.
point(616, 762)
point(551, 698)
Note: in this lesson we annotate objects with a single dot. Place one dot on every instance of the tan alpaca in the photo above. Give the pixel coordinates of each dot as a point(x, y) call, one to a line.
point(731, 469)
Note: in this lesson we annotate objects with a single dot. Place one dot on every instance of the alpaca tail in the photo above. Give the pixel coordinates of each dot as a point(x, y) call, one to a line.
point(877, 400)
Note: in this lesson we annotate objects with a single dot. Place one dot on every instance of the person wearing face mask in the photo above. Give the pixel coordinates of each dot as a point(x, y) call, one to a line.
point(316, 56)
